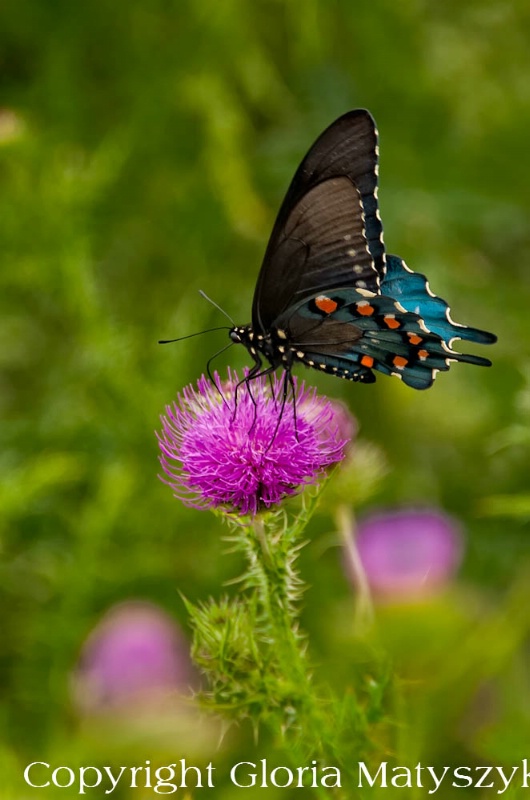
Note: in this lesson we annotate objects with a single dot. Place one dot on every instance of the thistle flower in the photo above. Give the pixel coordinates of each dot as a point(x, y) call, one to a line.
point(248, 455)
point(136, 657)
point(409, 552)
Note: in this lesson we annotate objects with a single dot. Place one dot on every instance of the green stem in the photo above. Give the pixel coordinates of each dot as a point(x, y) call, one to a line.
point(273, 552)
point(364, 609)
point(277, 600)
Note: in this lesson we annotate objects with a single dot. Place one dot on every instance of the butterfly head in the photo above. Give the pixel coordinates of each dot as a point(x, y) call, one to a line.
point(245, 335)
point(266, 344)
point(241, 335)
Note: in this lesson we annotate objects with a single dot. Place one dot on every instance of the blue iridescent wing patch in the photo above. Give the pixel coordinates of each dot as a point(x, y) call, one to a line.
point(412, 291)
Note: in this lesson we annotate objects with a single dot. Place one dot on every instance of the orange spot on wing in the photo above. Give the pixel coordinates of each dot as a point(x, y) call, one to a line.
point(423, 353)
point(367, 361)
point(400, 362)
point(414, 338)
point(365, 309)
point(326, 304)
point(392, 322)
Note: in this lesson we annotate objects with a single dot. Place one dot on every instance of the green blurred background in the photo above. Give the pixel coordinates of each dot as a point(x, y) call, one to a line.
point(144, 151)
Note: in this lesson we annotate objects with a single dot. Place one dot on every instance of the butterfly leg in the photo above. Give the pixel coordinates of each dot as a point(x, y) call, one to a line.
point(272, 390)
point(287, 382)
point(247, 380)
point(209, 372)
point(293, 391)
point(254, 373)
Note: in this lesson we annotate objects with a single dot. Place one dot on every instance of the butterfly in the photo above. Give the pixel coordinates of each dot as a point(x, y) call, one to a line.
point(328, 295)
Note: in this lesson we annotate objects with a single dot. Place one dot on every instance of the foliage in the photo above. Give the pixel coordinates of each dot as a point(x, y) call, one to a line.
point(144, 149)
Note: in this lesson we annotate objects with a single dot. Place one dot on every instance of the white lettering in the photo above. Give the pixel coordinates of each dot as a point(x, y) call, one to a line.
point(335, 775)
point(500, 770)
point(526, 773)
point(184, 771)
point(165, 783)
point(251, 775)
point(264, 784)
point(27, 778)
point(467, 778)
point(114, 783)
point(363, 772)
point(167, 779)
point(55, 780)
point(209, 769)
point(401, 774)
point(148, 775)
point(288, 774)
point(300, 772)
point(435, 779)
point(481, 783)
point(134, 773)
point(82, 782)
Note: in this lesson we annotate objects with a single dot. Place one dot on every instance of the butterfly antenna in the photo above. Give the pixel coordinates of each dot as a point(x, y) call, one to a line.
point(191, 335)
point(209, 299)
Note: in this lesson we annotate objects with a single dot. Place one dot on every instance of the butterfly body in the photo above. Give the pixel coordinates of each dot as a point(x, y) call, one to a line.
point(328, 295)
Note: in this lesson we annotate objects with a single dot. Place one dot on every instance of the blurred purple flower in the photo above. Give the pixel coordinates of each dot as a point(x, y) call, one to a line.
point(409, 552)
point(245, 459)
point(134, 657)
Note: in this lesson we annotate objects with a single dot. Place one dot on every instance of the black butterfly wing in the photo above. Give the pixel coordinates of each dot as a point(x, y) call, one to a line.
point(328, 232)
point(349, 335)
point(323, 246)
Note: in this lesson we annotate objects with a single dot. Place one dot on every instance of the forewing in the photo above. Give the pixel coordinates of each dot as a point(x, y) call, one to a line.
point(323, 247)
point(346, 150)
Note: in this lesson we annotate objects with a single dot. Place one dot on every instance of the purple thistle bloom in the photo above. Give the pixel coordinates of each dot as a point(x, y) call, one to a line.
point(135, 657)
point(244, 459)
point(409, 552)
